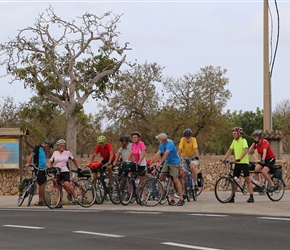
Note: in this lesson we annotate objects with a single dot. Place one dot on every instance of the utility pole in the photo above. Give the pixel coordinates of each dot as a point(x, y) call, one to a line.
point(267, 82)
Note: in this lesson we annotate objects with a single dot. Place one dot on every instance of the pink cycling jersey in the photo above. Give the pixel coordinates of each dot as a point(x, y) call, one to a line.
point(60, 159)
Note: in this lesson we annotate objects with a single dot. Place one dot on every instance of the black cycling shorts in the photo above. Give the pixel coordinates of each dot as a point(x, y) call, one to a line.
point(141, 170)
point(65, 176)
point(41, 177)
point(241, 167)
point(269, 163)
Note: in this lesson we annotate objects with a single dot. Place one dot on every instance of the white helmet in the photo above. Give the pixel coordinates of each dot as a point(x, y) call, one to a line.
point(61, 141)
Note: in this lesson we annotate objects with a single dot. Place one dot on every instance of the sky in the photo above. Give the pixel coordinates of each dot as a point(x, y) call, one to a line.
point(182, 36)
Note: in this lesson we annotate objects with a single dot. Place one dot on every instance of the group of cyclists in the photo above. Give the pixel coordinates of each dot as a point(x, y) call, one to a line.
point(167, 155)
point(170, 158)
point(241, 151)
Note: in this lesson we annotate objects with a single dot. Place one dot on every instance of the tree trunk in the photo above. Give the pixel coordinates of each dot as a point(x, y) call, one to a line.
point(71, 133)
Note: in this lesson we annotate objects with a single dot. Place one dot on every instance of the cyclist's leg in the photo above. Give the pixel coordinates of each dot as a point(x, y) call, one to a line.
point(246, 171)
point(265, 173)
point(178, 187)
point(110, 173)
point(194, 175)
point(237, 173)
point(174, 170)
point(66, 183)
point(257, 170)
point(41, 179)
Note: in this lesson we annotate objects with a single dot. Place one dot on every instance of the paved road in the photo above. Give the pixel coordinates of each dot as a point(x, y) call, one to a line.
point(206, 203)
point(129, 230)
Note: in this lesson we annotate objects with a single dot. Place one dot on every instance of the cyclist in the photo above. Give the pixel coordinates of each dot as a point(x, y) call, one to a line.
point(240, 147)
point(171, 162)
point(188, 149)
point(123, 152)
point(38, 157)
point(106, 151)
point(60, 159)
point(267, 158)
point(138, 153)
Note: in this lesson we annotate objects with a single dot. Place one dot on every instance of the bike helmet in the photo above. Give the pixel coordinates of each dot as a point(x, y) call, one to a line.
point(238, 130)
point(61, 141)
point(187, 132)
point(257, 133)
point(124, 138)
point(136, 133)
point(101, 139)
point(49, 142)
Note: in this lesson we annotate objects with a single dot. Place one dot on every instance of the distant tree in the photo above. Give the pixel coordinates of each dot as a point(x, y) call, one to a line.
point(281, 121)
point(43, 119)
point(9, 113)
point(65, 62)
point(198, 99)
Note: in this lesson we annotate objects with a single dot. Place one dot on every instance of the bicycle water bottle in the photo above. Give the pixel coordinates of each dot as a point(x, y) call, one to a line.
point(237, 179)
point(137, 181)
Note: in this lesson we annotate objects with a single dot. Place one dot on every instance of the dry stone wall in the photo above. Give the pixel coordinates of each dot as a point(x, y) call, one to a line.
point(211, 171)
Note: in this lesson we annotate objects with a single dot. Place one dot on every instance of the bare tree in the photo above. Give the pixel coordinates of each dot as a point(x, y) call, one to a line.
point(65, 62)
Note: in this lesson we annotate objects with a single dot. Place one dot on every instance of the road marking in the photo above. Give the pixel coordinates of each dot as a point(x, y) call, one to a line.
point(19, 226)
point(99, 234)
point(188, 246)
point(273, 218)
point(211, 215)
point(144, 212)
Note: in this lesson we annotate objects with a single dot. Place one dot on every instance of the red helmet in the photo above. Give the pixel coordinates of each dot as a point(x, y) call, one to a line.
point(238, 130)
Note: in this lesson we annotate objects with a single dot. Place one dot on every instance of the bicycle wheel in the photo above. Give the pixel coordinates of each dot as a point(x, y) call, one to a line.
point(224, 189)
point(173, 196)
point(51, 193)
point(85, 193)
point(23, 194)
point(151, 192)
point(100, 190)
point(113, 191)
point(279, 189)
point(125, 191)
point(31, 193)
point(189, 192)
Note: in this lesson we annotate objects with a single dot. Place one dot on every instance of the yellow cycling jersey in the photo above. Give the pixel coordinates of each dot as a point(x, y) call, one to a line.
point(188, 147)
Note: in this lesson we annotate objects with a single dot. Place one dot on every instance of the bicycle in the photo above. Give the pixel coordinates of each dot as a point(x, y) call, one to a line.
point(129, 185)
point(84, 189)
point(102, 185)
point(194, 193)
point(226, 186)
point(27, 187)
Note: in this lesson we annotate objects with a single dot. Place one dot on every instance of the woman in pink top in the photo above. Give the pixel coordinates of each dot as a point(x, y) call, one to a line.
point(60, 159)
point(138, 153)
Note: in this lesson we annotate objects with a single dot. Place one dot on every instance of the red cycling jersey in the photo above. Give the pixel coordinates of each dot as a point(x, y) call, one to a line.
point(264, 145)
point(105, 152)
